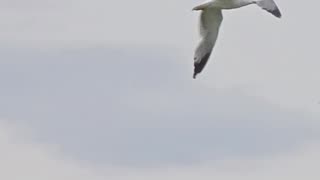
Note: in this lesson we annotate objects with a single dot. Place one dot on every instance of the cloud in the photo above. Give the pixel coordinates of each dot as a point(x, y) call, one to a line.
point(140, 108)
point(78, 23)
point(103, 95)
point(22, 158)
point(278, 62)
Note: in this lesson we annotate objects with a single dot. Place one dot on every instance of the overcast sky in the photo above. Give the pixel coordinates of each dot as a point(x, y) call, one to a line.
point(104, 90)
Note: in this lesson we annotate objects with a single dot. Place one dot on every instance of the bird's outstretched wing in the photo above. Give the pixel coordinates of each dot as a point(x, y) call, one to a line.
point(210, 20)
point(270, 6)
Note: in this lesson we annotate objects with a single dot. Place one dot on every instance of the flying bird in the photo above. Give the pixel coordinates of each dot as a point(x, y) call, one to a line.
point(210, 21)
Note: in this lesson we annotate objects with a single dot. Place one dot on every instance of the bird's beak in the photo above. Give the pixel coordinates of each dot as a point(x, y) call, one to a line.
point(196, 9)
point(200, 7)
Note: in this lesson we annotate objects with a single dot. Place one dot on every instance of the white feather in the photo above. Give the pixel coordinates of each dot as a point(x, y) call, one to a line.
point(210, 21)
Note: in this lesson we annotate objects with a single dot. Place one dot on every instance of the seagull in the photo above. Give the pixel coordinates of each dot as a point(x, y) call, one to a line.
point(210, 21)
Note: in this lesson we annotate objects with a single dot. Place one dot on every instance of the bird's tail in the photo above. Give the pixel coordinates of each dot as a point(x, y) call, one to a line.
point(270, 6)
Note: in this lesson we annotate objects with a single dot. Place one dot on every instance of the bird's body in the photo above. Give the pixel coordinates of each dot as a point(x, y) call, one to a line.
point(210, 21)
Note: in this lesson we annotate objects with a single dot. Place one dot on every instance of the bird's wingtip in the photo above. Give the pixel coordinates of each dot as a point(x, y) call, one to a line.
point(199, 65)
point(276, 13)
point(194, 75)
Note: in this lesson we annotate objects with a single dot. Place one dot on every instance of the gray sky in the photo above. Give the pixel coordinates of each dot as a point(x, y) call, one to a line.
point(96, 89)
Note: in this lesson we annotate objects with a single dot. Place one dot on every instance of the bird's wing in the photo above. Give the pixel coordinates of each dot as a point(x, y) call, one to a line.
point(270, 6)
point(210, 20)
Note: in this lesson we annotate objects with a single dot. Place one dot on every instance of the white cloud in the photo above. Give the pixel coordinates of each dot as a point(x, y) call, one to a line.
point(278, 60)
point(23, 159)
point(79, 23)
point(95, 102)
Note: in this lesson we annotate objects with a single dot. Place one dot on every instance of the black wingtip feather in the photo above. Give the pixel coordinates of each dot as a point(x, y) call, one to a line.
point(276, 13)
point(198, 66)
